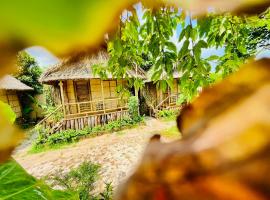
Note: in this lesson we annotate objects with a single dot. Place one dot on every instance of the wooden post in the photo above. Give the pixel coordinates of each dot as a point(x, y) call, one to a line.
point(137, 91)
point(169, 93)
point(62, 97)
point(79, 108)
point(102, 92)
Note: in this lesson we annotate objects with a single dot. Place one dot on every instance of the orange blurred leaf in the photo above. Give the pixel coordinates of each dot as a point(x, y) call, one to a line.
point(224, 153)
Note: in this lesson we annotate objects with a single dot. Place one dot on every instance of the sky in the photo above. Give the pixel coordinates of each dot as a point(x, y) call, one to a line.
point(43, 57)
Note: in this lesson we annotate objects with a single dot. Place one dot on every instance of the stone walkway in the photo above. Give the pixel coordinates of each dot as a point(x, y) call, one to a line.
point(117, 153)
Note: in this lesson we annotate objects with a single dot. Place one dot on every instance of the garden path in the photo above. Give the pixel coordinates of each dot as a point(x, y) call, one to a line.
point(117, 153)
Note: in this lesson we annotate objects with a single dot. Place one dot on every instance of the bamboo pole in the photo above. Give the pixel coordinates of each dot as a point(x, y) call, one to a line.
point(169, 93)
point(102, 92)
point(62, 97)
point(136, 90)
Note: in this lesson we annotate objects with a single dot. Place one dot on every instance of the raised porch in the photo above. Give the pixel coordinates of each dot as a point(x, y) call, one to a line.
point(84, 114)
point(86, 103)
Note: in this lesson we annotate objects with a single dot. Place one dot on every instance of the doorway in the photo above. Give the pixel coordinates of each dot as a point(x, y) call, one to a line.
point(82, 91)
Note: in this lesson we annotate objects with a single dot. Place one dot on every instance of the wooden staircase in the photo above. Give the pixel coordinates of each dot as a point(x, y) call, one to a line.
point(52, 122)
point(57, 127)
point(169, 103)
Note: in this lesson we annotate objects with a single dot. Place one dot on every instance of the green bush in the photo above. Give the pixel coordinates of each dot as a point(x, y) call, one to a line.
point(71, 135)
point(107, 194)
point(133, 108)
point(82, 180)
point(28, 73)
point(168, 114)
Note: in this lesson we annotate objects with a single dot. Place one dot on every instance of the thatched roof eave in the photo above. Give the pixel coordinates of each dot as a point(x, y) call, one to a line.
point(8, 82)
point(81, 69)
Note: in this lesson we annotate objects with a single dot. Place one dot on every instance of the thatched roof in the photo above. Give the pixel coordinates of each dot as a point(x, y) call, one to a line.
point(176, 75)
point(10, 83)
point(77, 68)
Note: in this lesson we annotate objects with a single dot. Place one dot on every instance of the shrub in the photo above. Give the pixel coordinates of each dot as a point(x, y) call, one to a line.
point(82, 180)
point(133, 108)
point(71, 135)
point(168, 114)
point(107, 193)
point(28, 73)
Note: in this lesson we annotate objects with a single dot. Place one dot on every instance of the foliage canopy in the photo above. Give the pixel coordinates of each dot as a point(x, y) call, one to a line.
point(147, 43)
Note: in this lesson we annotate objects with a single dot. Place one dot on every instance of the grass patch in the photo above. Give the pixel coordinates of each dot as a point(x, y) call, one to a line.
point(64, 138)
point(169, 118)
point(38, 149)
point(171, 133)
point(167, 115)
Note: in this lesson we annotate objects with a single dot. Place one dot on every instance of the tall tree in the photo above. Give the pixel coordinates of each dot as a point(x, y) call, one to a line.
point(126, 50)
point(29, 73)
point(148, 43)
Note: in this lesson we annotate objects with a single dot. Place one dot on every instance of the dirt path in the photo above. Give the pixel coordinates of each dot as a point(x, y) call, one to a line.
point(117, 153)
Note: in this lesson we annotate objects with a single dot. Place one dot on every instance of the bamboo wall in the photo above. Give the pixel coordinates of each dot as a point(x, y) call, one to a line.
point(70, 96)
point(95, 93)
point(10, 97)
point(95, 86)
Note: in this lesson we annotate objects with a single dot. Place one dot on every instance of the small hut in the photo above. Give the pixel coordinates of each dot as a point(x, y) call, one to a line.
point(86, 98)
point(160, 100)
point(9, 89)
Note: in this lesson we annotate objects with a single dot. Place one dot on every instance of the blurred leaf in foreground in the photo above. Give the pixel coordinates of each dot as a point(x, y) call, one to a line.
point(15, 183)
point(225, 150)
point(61, 26)
point(65, 27)
point(8, 112)
point(10, 136)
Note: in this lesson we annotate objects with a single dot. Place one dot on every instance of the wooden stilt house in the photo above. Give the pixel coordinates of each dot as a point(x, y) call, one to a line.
point(83, 97)
point(10, 87)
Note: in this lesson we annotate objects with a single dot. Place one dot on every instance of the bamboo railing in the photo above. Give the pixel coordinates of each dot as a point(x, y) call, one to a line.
point(94, 107)
point(73, 115)
point(167, 102)
point(51, 118)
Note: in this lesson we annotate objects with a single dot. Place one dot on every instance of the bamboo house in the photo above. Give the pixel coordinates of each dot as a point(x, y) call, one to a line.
point(10, 87)
point(157, 99)
point(85, 98)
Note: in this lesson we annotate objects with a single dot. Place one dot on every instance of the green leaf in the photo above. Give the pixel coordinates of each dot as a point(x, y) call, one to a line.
point(183, 33)
point(202, 44)
point(80, 24)
point(171, 46)
point(8, 112)
point(117, 47)
point(188, 31)
point(197, 50)
point(15, 184)
point(183, 50)
point(163, 85)
point(212, 57)
point(194, 34)
point(170, 82)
